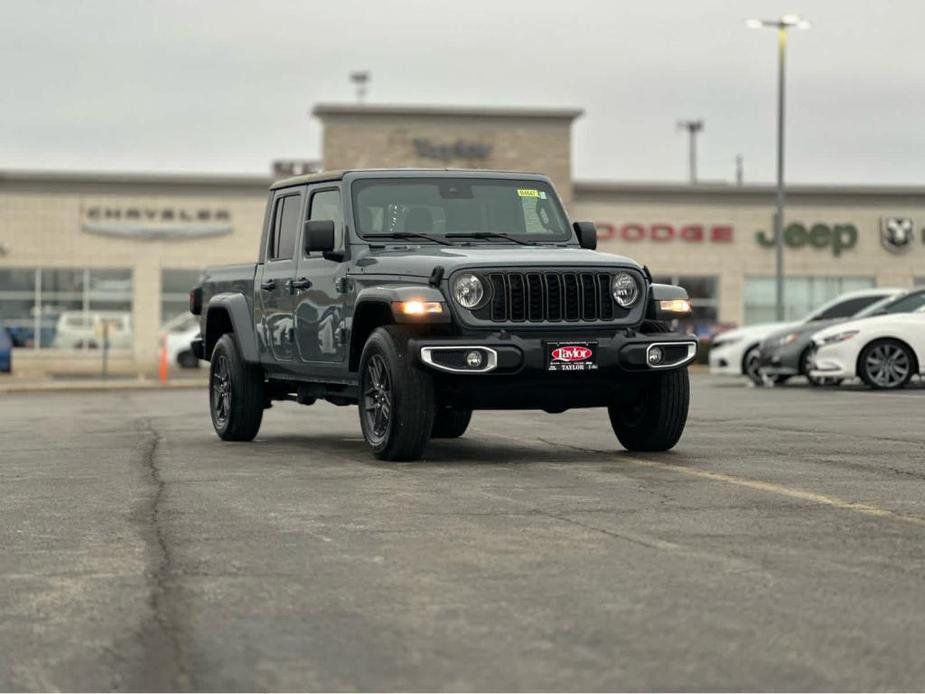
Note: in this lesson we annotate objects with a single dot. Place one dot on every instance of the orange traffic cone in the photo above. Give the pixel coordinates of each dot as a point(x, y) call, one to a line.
point(164, 364)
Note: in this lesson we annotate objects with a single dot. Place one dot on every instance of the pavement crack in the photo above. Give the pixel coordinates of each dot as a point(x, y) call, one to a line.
point(165, 660)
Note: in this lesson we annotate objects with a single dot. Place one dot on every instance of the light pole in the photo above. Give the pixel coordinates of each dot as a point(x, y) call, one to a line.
point(693, 128)
point(788, 21)
point(360, 79)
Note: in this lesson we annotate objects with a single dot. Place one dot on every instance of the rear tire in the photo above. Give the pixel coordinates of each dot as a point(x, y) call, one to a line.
point(886, 365)
point(450, 423)
point(396, 400)
point(656, 419)
point(235, 393)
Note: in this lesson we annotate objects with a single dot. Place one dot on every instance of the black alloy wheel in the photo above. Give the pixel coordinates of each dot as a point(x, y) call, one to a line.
point(396, 400)
point(236, 393)
point(886, 365)
point(377, 399)
point(221, 391)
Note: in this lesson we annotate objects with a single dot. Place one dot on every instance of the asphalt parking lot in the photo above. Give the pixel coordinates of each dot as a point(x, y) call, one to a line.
point(781, 546)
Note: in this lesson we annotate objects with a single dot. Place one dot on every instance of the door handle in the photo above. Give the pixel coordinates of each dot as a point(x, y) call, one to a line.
point(301, 283)
point(268, 285)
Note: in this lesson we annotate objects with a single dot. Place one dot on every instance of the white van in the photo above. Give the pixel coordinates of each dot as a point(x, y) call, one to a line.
point(79, 330)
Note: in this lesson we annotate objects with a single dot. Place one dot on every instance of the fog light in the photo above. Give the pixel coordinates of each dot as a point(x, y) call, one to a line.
point(655, 356)
point(474, 359)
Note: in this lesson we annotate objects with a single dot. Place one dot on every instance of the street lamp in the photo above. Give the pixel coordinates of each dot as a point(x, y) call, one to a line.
point(693, 128)
point(788, 21)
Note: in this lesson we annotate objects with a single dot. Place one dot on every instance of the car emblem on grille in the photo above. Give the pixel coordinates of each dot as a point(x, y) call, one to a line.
point(896, 233)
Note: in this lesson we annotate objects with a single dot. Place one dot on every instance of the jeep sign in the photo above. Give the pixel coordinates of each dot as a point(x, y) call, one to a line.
point(837, 238)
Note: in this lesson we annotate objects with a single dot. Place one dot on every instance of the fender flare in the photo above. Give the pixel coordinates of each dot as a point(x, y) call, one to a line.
point(664, 292)
point(242, 324)
point(391, 295)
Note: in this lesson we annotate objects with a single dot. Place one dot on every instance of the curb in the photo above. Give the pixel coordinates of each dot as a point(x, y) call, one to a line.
point(90, 386)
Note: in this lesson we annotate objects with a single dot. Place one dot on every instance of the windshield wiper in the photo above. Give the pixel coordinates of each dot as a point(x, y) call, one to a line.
point(489, 235)
point(408, 235)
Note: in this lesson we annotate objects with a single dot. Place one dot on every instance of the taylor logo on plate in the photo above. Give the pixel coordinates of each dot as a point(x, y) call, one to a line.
point(571, 353)
point(897, 233)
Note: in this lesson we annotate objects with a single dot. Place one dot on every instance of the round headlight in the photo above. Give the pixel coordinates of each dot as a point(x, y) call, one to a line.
point(468, 290)
point(624, 289)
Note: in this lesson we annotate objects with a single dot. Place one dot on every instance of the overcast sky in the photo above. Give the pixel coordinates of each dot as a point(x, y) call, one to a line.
point(209, 86)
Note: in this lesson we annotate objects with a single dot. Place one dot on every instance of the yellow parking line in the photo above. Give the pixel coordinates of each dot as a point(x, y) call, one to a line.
point(769, 487)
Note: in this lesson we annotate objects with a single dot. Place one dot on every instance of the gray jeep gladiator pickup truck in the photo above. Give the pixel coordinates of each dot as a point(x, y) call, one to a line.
point(423, 295)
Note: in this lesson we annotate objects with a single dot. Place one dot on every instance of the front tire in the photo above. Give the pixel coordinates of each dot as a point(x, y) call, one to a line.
point(450, 423)
point(235, 393)
point(751, 366)
point(655, 419)
point(886, 365)
point(396, 400)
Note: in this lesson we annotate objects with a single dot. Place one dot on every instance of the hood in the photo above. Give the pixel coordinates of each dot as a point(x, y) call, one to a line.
point(421, 260)
point(874, 322)
point(803, 329)
point(755, 332)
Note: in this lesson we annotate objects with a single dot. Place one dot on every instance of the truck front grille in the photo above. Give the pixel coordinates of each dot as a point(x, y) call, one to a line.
point(549, 297)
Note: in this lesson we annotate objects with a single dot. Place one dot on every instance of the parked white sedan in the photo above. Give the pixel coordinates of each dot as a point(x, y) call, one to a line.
point(736, 352)
point(885, 351)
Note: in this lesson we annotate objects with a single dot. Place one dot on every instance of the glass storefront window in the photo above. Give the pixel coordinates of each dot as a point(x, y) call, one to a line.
point(801, 295)
point(67, 308)
point(175, 288)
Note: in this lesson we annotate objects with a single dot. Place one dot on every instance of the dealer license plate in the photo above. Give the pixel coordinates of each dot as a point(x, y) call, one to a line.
point(571, 356)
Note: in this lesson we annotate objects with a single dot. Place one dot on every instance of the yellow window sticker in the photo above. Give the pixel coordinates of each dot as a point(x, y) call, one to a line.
point(528, 192)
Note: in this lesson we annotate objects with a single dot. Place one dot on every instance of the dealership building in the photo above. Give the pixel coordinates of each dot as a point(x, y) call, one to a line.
point(78, 246)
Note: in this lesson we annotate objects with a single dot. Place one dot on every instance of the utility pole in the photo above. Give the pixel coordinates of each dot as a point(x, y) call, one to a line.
point(360, 80)
point(789, 21)
point(740, 169)
point(693, 128)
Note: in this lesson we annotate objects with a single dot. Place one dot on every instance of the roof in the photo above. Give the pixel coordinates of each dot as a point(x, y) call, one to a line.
point(335, 175)
point(713, 192)
point(347, 109)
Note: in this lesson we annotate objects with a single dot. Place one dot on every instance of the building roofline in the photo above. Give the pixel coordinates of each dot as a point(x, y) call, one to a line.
point(707, 190)
point(133, 178)
point(348, 109)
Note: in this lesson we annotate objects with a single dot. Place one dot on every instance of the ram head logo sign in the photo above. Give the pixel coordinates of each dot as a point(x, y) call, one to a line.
point(897, 233)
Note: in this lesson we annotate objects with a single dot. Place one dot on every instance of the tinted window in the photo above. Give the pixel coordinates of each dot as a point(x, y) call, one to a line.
point(908, 304)
point(326, 205)
point(847, 308)
point(285, 227)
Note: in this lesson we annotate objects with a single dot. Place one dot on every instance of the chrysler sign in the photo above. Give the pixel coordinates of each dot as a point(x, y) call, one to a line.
point(155, 221)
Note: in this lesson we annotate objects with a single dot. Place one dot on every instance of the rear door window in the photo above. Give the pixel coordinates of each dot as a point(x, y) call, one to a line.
point(285, 230)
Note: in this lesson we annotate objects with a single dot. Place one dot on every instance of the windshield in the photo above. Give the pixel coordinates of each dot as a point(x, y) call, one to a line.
point(876, 307)
point(447, 207)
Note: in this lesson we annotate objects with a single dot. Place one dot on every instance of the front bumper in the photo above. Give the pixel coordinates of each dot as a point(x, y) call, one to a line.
point(726, 360)
point(833, 361)
point(781, 360)
point(504, 353)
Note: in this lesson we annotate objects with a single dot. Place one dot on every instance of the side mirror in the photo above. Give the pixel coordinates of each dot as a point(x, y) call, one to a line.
point(587, 234)
point(318, 236)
